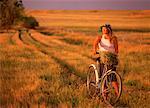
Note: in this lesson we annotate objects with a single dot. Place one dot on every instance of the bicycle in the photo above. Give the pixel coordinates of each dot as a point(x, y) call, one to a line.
point(103, 84)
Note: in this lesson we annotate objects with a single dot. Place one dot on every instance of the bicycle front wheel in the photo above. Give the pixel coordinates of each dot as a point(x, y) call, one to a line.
point(111, 87)
point(91, 82)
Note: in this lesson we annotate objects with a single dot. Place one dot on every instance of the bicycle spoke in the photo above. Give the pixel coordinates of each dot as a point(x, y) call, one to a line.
point(106, 91)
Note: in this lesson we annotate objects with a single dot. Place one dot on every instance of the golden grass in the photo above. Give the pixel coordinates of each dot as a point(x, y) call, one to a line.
point(119, 19)
point(40, 70)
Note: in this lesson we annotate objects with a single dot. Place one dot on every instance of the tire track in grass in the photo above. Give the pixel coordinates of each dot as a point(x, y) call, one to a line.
point(68, 77)
point(29, 42)
point(74, 48)
point(66, 72)
point(25, 102)
point(55, 49)
point(44, 48)
point(67, 68)
point(57, 45)
point(22, 33)
point(64, 65)
point(17, 39)
point(23, 37)
point(37, 42)
point(59, 42)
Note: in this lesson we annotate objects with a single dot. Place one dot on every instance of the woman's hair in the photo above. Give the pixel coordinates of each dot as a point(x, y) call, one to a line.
point(108, 26)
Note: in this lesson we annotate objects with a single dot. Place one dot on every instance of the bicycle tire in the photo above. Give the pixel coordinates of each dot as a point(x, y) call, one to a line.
point(91, 82)
point(107, 91)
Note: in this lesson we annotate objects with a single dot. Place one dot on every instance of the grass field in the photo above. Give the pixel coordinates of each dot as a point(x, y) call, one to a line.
point(46, 67)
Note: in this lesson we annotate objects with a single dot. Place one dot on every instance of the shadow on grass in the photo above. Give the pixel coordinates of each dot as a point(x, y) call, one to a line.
point(51, 33)
point(68, 68)
point(94, 30)
point(72, 41)
point(131, 30)
point(121, 104)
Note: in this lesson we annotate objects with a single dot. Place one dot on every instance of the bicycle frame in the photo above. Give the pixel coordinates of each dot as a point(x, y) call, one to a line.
point(97, 71)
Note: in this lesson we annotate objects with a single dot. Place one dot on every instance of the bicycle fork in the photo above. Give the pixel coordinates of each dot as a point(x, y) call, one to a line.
point(98, 72)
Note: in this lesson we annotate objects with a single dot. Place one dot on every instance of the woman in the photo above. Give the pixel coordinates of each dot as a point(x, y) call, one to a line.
point(107, 43)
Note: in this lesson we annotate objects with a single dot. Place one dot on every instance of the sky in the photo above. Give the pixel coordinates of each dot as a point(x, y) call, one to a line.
point(87, 4)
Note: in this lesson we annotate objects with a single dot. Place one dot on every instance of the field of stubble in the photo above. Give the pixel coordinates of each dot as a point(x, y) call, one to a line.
point(47, 67)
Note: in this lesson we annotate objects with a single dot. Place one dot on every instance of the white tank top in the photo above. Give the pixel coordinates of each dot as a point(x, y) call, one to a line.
point(106, 45)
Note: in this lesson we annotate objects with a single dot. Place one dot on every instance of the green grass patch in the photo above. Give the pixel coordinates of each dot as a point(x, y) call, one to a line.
point(47, 33)
point(139, 30)
point(136, 62)
point(72, 41)
point(53, 101)
point(36, 42)
point(137, 85)
point(12, 42)
point(51, 33)
point(75, 102)
point(94, 30)
point(46, 77)
point(146, 43)
point(8, 64)
point(59, 34)
point(85, 30)
point(64, 65)
point(139, 56)
point(132, 83)
point(68, 68)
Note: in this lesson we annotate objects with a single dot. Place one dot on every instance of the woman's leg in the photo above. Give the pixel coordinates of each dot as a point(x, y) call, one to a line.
point(115, 85)
point(114, 82)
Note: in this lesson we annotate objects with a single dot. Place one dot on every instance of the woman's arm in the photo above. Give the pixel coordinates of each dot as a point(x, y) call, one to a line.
point(115, 41)
point(95, 44)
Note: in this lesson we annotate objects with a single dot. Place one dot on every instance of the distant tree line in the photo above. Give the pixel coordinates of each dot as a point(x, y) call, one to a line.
point(12, 11)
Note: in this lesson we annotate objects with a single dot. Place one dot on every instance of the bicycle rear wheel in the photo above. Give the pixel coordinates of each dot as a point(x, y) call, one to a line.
point(91, 82)
point(109, 93)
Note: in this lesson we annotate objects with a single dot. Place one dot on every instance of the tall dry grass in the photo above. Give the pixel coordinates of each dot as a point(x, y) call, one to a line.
point(47, 67)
